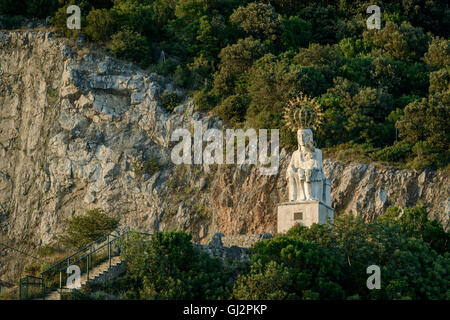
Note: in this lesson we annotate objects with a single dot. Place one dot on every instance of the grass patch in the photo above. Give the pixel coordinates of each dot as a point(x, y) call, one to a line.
point(170, 100)
point(150, 167)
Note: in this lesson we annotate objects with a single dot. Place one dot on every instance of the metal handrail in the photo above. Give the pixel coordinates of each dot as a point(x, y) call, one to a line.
point(94, 251)
point(24, 284)
point(34, 277)
point(87, 255)
point(80, 250)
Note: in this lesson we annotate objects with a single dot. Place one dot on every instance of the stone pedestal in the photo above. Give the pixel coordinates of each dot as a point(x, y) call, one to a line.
point(303, 212)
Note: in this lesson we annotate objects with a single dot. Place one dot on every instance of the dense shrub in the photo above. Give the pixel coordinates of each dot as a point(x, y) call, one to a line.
point(403, 42)
point(291, 269)
point(395, 153)
point(296, 33)
point(170, 267)
point(425, 126)
point(169, 100)
point(415, 222)
point(324, 57)
point(438, 54)
point(100, 24)
point(84, 229)
point(258, 20)
point(403, 247)
point(150, 166)
point(234, 61)
point(130, 45)
point(205, 101)
point(233, 108)
point(30, 8)
point(324, 22)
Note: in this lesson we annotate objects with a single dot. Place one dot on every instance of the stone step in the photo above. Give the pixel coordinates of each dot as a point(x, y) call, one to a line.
point(94, 274)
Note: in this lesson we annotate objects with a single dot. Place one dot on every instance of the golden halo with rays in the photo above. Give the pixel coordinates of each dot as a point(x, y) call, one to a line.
point(302, 112)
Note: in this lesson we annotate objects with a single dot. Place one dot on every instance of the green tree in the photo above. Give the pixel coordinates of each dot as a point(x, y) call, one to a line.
point(438, 54)
point(304, 270)
point(296, 33)
point(100, 24)
point(361, 112)
point(325, 58)
point(357, 70)
point(163, 11)
point(130, 45)
point(169, 267)
point(205, 36)
point(403, 42)
point(258, 20)
point(352, 48)
point(415, 222)
point(235, 60)
point(271, 83)
point(439, 81)
point(265, 282)
point(40, 8)
point(424, 125)
point(410, 268)
point(84, 229)
point(134, 15)
point(233, 108)
point(324, 20)
point(12, 6)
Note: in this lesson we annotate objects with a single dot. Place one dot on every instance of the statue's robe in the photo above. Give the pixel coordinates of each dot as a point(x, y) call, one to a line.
point(305, 176)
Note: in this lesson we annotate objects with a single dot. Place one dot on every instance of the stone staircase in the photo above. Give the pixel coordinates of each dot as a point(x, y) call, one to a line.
point(101, 273)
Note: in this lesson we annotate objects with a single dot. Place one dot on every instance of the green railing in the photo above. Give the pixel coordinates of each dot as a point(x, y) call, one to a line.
point(87, 258)
point(31, 287)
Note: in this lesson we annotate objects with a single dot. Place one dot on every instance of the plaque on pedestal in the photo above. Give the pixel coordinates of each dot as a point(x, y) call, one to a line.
point(304, 213)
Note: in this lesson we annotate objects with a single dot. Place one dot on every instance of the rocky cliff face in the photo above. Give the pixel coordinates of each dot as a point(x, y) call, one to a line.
point(81, 130)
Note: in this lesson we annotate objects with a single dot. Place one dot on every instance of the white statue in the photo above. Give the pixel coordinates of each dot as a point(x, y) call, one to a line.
point(308, 189)
point(306, 180)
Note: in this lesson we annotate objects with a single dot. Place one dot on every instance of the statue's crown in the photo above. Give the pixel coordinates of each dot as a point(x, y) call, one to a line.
point(301, 113)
